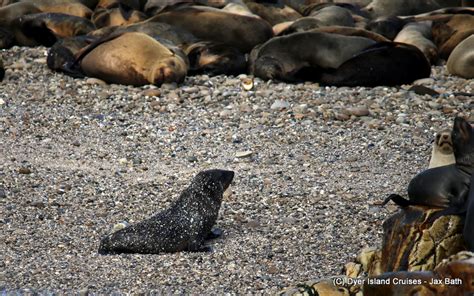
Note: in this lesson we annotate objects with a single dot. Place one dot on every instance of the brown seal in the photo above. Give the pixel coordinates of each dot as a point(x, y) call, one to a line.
point(419, 34)
point(461, 59)
point(274, 13)
point(46, 28)
point(204, 56)
point(13, 11)
point(451, 30)
point(349, 31)
point(71, 8)
point(117, 16)
point(303, 56)
point(134, 59)
point(211, 24)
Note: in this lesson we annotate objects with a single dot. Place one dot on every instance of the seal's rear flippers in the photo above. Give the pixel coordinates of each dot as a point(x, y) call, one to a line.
point(400, 201)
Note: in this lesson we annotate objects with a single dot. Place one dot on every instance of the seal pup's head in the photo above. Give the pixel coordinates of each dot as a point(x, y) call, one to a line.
point(463, 142)
point(443, 142)
point(442, 152)
point(212, 182)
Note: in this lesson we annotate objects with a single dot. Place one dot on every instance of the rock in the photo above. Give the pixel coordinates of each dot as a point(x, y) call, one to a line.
point(24, 171)
point(279, 105)
point(3, 194)
point(453, 276)
point(324, 287)
point(120, 225)
point(410, 243)
point(93, 81)
point(359, 111)
point(242, 154)
point(152, 92)
point(423, 90)
point(341, 116)
point(424, 81)
point(247, 83)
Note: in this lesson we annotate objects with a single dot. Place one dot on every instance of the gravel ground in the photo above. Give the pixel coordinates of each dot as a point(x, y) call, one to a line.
point(78, 156)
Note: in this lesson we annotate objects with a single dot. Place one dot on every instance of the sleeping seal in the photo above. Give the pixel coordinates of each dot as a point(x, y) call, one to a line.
point(182, 227)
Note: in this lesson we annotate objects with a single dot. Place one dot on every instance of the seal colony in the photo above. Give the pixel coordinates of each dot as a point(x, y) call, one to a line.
point(182, 227)
point(357, 43)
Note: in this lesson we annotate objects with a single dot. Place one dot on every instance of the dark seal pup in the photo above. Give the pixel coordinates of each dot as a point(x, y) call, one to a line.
point(182, 227)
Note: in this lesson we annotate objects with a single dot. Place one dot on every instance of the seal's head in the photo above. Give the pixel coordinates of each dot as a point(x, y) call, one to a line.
point(463, 142)
point(212, 182)
point(443, 142)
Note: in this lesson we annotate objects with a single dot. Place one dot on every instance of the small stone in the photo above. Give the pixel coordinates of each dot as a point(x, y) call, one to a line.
point(3, 194)
point(192, 159)
point(424, 81)
point(123, 161)
point(243, 154)
point(359, 111)
point(225, 113)
point(120, 225)
point(341, 116)
point(279, 105)
point(247, 83)
point(76, 143)
point(24, 170)
point(423, 90)
point(2, 102)
point(303, 108)
point(152, 92)
point(92, 81)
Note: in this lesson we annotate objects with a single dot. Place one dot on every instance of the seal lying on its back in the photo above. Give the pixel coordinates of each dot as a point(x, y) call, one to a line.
point(442, 152)
point(182, 227)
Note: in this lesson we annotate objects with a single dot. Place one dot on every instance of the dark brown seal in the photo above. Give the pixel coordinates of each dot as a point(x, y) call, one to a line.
point(381, 64)
point(303, 56)
point(46, 28)
point(182, 227)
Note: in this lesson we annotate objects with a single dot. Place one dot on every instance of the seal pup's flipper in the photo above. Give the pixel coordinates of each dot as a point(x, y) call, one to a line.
point(215, 233)
point(398, 200)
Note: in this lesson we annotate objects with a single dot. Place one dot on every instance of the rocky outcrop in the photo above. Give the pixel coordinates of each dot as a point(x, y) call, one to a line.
point(422, 252)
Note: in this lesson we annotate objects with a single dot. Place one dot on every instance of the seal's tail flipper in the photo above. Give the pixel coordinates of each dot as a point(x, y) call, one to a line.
point(400, 201)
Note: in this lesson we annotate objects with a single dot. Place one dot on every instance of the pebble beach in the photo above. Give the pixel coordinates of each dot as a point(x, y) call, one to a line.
point(311, 164)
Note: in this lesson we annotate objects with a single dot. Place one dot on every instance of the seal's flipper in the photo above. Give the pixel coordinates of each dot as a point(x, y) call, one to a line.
point(215, 233)
point(398, 200)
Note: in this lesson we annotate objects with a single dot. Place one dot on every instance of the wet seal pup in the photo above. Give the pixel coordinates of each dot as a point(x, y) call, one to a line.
point(133, 59)
point(448, 186)
point(442, 152)
point(182, 227)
